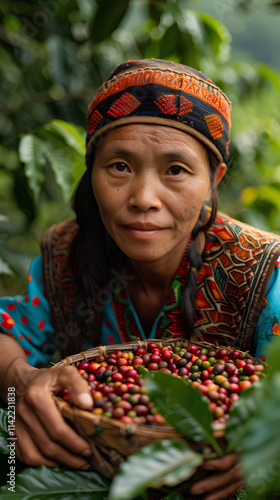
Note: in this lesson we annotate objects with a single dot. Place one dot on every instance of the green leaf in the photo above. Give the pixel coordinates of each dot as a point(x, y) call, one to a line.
point(218, 35)
point(4, 431)
point(166, 462)
point(242, 495)
point(244, 409)
point(260, 445)
point(56, 484)
point(30, 153)
point(169, 41)
point(5, 268)
point(105, 24)
point(70, 139)
point(273, 355)
point(22, 192)
point(174, 496)
point(61, 166)
point(183, 407)
point(73, 135)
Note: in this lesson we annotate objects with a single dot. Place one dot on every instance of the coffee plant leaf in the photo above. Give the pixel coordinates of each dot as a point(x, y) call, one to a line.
point(44, 483)
point(174, 496)
point(244, 409)
point(105, 24)
point(167, 462)
point(74, 135)
point(183, 407)
point(260, 445)
point(61, 166)
point(31, 155)
point(5, 268)
point(273, 355)
point(69, 141)
point(4, 432)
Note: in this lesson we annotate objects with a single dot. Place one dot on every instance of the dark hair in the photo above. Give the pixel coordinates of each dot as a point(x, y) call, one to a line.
point(94, 254)
point(195, 257)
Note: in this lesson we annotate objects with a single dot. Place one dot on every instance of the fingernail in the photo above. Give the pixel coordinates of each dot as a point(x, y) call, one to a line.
point(84, 399)
point(86, 467)
point(86, 453)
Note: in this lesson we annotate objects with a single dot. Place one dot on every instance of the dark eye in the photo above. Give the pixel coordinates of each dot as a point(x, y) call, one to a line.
point(175, 170)
point(121, 167)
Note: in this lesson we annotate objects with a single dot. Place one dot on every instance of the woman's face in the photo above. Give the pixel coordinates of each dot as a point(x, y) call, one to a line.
point(150, 183)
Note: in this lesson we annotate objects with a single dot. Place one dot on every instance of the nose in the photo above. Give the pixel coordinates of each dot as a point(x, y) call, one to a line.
point(145, 194)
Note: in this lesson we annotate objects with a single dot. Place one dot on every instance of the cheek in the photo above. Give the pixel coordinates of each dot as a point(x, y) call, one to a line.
point(108, 199)
point(188, 203)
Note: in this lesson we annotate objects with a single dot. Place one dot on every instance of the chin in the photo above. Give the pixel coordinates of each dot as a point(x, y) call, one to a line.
point(143, 256)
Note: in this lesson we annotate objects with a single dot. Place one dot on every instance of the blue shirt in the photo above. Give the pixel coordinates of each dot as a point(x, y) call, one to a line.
point(28, 318)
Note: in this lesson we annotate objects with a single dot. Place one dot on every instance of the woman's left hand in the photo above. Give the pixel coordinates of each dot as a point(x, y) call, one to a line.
point(225, 482)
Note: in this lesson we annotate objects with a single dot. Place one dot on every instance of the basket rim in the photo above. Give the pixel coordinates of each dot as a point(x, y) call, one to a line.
point(104, 350)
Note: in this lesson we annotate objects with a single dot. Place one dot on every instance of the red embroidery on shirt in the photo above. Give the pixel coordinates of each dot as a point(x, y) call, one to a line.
point(111, 340)
point(11, 306)
point(27, 352)
point(275, 326)
point(7, 322)
point(24, 320)
point(264, 302)
point(35, 301)
point(29, 338)
point(108, 324)
point(41, 324)
point(21, 337)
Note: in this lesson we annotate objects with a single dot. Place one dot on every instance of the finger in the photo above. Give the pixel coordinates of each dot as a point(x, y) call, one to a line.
point(43, 416)
point(28, 452)
point(37, 448)
point(226, 492)
point(217, 481)
point(223, 464)
point(69, 378)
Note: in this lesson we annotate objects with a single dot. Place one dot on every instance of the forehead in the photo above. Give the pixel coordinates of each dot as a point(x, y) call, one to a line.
point(157, 138)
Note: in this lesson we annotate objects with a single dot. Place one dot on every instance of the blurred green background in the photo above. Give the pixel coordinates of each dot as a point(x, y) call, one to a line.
point(54, 54)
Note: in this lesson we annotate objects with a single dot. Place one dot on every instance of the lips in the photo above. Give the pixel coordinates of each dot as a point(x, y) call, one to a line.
point(144, 226)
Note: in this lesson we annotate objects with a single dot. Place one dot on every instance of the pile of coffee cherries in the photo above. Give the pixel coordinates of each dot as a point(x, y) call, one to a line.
point(118, 392)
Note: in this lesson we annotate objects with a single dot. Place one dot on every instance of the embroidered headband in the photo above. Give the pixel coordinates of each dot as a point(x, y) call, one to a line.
point(162, 92)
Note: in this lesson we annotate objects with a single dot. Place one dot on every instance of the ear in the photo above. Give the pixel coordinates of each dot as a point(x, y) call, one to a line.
point(219, 173)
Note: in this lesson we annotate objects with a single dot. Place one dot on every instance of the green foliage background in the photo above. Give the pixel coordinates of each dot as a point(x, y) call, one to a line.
point(53, 57)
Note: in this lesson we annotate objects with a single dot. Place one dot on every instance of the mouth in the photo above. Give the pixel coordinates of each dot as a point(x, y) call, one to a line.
point(143, 230)
point(144, 226)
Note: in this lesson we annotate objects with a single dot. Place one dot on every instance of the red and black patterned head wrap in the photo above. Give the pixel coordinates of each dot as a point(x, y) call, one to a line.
point(162, 92)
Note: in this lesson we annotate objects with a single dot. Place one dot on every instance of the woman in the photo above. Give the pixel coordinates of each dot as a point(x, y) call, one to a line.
point(144, 258)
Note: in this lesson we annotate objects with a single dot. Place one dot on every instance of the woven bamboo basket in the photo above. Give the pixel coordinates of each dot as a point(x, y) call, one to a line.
point(112, 440)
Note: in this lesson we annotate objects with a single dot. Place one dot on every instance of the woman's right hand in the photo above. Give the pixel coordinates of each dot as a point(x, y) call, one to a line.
point(43, 436)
